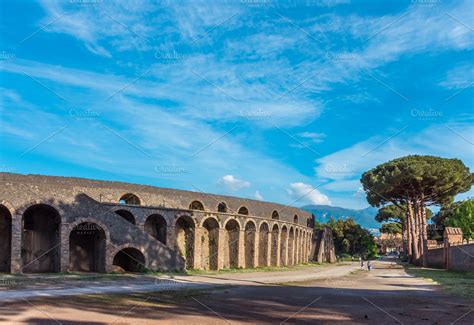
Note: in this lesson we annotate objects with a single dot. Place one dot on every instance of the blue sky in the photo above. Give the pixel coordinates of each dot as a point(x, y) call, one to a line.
point(280, 101)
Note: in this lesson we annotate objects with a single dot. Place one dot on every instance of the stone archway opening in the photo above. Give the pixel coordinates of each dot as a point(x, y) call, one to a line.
point(130, 260)
point(264, 237)
point(243, 210)
point(130, 199)
point(40, 245)
point(274, 246)
point(155, 226)
point(127, 215)
point(222, 207)
point(231, 255)
point(5, 239)
point(295, 218)
point(283, 248)
point(249, 243)
point(87, 248)
point(275, 215)
point(291, 247)
point(210, 244)
point(185, 232)
point(196, 205)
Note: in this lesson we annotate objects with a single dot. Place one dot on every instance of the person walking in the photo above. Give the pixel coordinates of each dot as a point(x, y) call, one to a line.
point(369, 265)
point(361, 263)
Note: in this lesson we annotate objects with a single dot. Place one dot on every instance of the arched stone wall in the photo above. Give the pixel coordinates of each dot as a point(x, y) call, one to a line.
point(67, 229)
point(256, 247)
point(125, 257)
point(185, 233)
point(264, 245)
point(275, 247)
point(6, 230)
point(249, 244)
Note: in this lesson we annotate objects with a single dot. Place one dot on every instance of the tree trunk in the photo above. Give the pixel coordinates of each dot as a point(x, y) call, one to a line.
point(424, 233)
point(417, 210)
point(413, 231)
point(409, 238)
point(404, 239)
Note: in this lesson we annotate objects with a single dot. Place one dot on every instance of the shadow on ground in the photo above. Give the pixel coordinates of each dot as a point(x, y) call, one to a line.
point(311, 303)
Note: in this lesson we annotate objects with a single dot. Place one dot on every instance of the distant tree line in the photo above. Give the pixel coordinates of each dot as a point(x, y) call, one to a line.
point(350, 239)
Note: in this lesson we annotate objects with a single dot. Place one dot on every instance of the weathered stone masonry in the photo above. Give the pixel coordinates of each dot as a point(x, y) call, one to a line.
point(58, 224)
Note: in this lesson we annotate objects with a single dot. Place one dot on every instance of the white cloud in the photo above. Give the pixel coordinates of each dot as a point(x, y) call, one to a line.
point(305, 193)
point(258, 196)
point(232, 183)
point(459, 77)
point(343, 169)
point(313, 137)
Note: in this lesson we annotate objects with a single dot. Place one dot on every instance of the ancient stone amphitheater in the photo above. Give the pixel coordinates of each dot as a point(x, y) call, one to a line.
point(58, 224)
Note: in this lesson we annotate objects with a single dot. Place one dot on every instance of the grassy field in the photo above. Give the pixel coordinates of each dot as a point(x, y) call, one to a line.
point(453, 282)
point(257, 269)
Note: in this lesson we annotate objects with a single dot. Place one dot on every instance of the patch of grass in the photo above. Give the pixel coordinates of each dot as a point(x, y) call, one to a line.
point(454, 282)
point(257, 269)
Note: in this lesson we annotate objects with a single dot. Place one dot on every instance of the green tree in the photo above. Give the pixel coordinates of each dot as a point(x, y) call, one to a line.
point(391, 228)
point(351, 238)
point(460, 214)
point(411, 183)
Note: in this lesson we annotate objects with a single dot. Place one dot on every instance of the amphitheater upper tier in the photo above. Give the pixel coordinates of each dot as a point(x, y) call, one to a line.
point(76, 224)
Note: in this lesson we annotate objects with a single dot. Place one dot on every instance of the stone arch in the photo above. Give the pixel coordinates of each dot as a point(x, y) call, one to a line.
point(263, 239)
point(130, 259)
point(249, 244)
point(291, 247)
point(274, 246)
point(231, 244)
point(185, 233)
point(87, 247)
point(130, 199)
point(155, 226)
point(295, 218)
point(301, 246)
point(222, 207)
point(283, 246)
point(126, 215)
point(243, 211)
point(275, 215)
point(196, 205)
point(210, 217)
point(210, 244)
point(297, 246)
point(5, 238)
point(40, 244)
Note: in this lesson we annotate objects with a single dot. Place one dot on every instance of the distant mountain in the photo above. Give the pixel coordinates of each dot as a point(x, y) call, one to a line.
point(364, 217)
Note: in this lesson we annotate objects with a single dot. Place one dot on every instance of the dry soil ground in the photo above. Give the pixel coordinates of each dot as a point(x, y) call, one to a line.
point(386, 295)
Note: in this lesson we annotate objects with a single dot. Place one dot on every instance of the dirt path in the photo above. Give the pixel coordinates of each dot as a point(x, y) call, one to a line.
point(386, 295)
point(179, 282)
